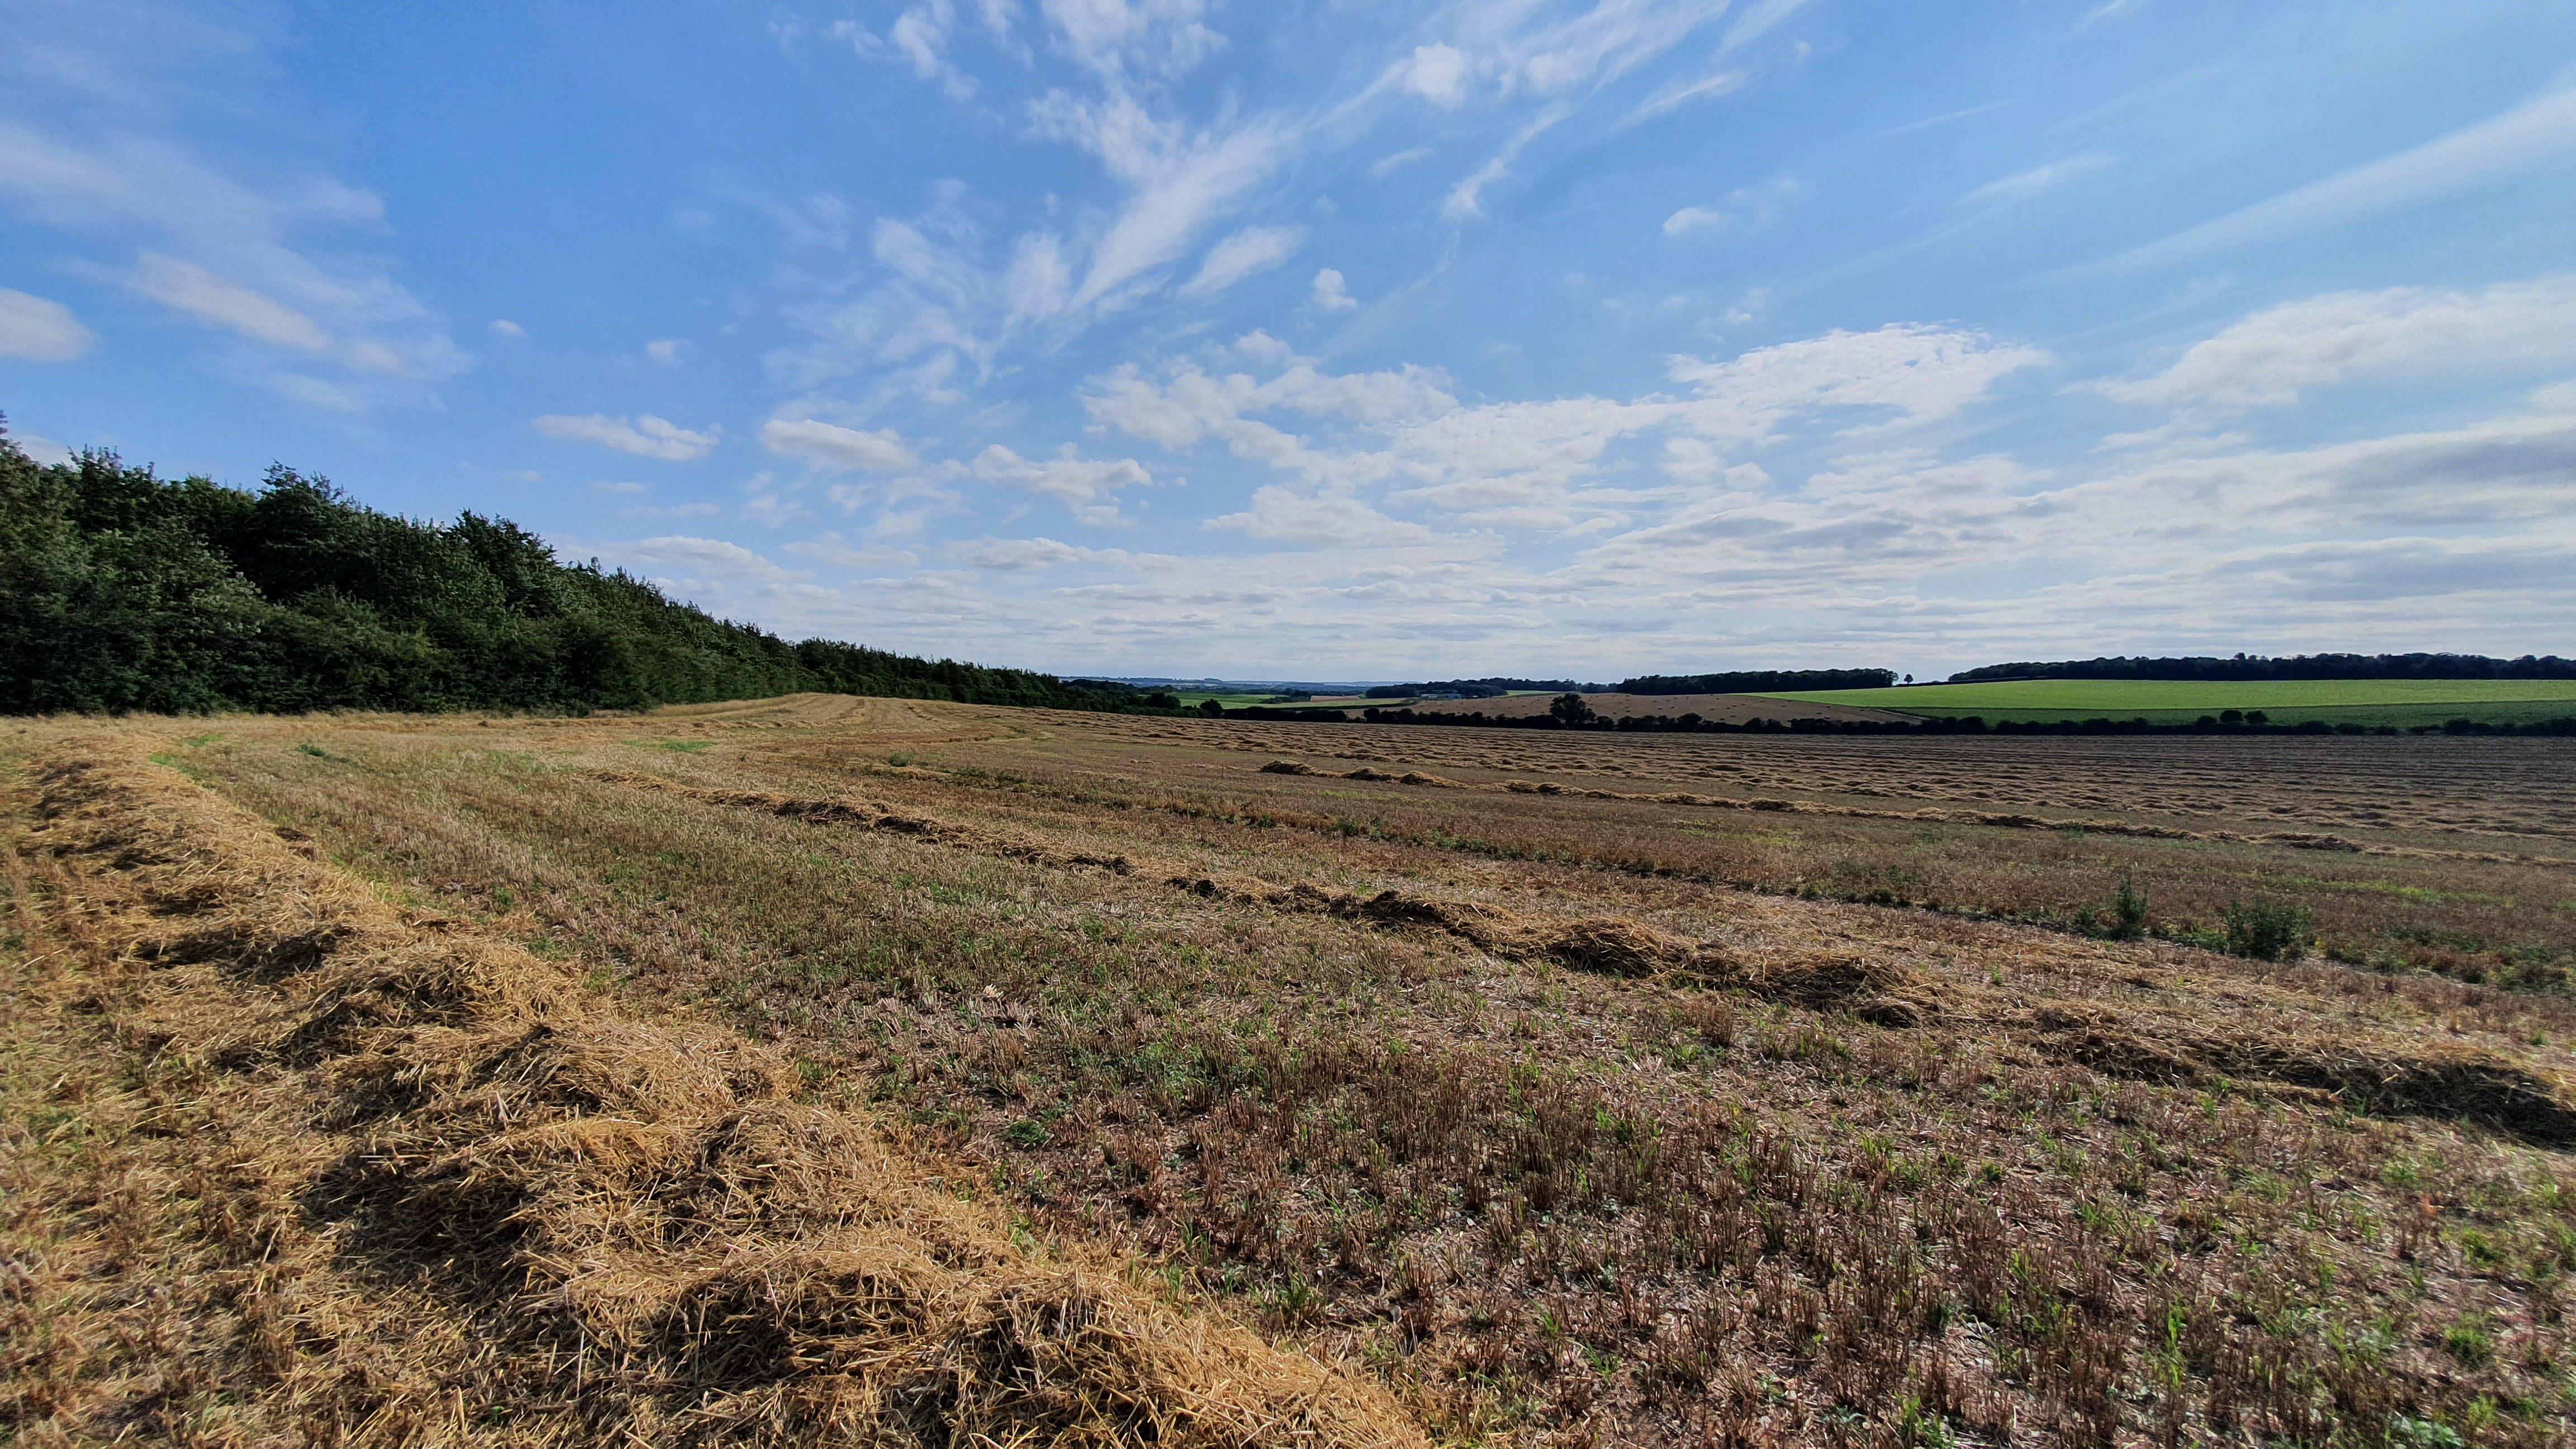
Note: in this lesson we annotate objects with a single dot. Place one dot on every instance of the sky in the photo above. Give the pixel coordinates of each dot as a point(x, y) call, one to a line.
point(1358, 340)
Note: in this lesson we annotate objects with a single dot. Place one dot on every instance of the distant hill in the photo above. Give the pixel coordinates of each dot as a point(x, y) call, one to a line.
point(2297, 666)
point(1759, 681)
point(120, 591)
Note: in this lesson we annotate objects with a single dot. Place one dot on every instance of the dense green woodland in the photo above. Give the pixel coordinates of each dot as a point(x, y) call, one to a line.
point(122, 591)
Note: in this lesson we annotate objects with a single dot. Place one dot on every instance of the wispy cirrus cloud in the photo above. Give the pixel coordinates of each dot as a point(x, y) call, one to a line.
point(2539, 131)
point(103, 110)
point(645, 437)
point(2023, 185)
point(1253, 249)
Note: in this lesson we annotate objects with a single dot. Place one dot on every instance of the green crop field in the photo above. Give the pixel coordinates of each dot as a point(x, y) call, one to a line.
point(2403, 703)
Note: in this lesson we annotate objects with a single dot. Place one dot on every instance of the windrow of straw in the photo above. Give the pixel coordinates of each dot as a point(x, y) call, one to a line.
point(2418, 1079)
point(351, 1175)
point(1998, 820)
point(1873, 990)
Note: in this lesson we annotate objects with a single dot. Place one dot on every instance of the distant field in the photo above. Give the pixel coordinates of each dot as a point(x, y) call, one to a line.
point(2373, 702)
point(1725, 708)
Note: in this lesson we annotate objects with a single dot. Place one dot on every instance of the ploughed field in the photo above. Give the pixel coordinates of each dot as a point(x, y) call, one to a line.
point(1598, 1088)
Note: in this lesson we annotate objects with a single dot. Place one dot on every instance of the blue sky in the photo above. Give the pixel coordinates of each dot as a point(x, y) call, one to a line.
point(1358, 340)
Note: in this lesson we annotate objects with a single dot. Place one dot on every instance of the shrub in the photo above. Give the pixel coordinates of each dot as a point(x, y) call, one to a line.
point(2128, 911)
point(2268, 930)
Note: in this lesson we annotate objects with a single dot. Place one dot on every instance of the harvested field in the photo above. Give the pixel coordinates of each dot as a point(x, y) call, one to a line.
point(1564, 1089)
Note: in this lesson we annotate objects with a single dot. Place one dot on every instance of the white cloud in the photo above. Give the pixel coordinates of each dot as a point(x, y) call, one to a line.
point(1396, 161)
point(508, 328)
point(44, 450)
point(832, 549)
point(2268, 358)
point(1691, 460)
point(620, 487)
point(645, 437)
point(1253, 249)
point(1282, 515)
point(920, 34)
point(1917, 371)
point(1017, 555)
point(100, 146)
point(1180, 186)
point(1692, 218)
point(1674, 97)
point(1331, 293)
point(1438, 74)
point(665, 351)
point(1746, 206)
point(687, 564)
point(1128, 37)
point(2022, 185)
point(2538, 131)
point(40, 330)
point(830, 446)
point(1088, 486)
point(1259, 346)
point(1548, 464)
point(189, 288)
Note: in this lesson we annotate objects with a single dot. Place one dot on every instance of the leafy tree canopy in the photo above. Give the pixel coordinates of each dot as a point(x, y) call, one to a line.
point(122, 591)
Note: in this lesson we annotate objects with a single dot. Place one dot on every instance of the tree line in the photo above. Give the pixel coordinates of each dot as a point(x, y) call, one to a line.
point(122, 591)
point(1759, 681)
point(1493, 688)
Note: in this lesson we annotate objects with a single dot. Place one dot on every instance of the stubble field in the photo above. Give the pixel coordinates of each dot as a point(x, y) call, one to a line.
point(1564, 1088)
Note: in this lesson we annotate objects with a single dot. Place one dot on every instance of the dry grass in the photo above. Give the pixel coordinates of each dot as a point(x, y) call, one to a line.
point(312, 1169)
point(1512, 1095)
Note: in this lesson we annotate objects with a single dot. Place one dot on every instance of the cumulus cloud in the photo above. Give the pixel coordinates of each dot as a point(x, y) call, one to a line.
point(665, 351)
point(1543, 463)
point(1283, 515)
point(1017, 555)
point(1088, 486)
point(508, 328)
point(1438, 74)
point(688, 565)
point(39, 330)
point(1331, 293)
point(828, 445)
point(1252, 249)
point(645, 437)
point(1916, 371)
point(2269, 358)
